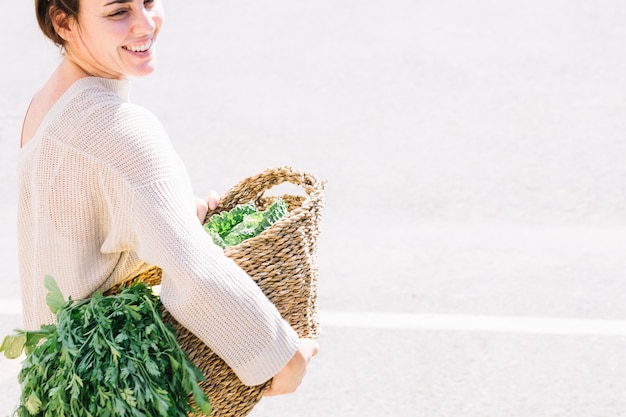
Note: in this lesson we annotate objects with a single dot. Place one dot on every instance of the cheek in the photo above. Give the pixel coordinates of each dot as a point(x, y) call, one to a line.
point(112, 35)
point(159, 23)
point(158, 15)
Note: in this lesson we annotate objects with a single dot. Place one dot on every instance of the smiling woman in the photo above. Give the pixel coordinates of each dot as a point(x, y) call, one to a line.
point(109, 40)
point(103, 195)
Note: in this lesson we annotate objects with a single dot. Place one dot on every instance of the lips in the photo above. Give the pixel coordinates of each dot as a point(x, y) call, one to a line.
point(139, 48)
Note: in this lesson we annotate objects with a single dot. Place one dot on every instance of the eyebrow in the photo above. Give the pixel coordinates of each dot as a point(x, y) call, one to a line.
point(118, 1)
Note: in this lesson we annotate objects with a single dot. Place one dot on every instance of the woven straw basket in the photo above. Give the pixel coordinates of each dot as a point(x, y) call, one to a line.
point(282, 261)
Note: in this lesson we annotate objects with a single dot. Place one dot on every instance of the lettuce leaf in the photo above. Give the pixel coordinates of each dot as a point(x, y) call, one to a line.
point(243, 222)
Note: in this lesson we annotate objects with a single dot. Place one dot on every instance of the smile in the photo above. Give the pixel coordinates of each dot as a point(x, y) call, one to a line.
point(139, 48)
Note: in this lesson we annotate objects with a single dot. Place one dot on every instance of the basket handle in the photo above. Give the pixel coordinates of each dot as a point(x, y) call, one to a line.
point(253, 188)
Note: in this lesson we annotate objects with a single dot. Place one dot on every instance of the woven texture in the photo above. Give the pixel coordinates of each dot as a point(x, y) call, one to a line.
point(282, 261)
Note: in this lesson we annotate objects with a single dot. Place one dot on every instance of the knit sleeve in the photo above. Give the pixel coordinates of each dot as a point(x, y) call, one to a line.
point(204, 290)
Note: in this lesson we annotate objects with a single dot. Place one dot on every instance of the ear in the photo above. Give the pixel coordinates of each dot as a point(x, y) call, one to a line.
point(64, 25)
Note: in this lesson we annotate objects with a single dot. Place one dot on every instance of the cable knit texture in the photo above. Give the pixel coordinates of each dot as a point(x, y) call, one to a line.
point(102, 195)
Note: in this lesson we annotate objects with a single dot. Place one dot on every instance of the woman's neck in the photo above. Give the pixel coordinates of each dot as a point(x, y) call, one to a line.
point(85, 68)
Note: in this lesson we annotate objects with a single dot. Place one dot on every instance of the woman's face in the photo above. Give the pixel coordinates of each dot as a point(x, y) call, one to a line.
point(116, 38)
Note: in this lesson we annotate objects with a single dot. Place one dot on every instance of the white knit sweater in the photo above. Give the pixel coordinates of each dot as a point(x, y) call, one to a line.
point(102, 194)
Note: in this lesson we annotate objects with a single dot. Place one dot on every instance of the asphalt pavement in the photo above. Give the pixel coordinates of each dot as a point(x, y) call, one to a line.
point(472, 250)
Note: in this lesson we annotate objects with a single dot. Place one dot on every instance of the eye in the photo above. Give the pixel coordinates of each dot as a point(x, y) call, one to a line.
point(119, 13)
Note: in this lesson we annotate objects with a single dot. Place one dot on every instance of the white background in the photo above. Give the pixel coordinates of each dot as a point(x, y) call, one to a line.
point(474, 153)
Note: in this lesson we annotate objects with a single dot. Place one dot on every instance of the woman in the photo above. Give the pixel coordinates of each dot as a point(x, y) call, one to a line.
point(102, 194)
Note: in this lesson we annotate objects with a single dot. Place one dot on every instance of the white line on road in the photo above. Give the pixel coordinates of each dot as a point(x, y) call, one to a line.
point(457, 322)
point(502, 324)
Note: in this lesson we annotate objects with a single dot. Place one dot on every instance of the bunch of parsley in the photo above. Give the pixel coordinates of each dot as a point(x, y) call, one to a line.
point(106, 356)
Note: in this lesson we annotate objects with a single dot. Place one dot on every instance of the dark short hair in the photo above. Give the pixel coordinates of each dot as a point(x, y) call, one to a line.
point(46, 8)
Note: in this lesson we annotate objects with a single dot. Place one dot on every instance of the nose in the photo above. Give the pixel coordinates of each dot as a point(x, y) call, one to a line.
point(144, 22)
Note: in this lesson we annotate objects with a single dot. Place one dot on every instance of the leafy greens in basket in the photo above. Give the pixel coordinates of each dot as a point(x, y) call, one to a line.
point(106, 356)
point(230, 228)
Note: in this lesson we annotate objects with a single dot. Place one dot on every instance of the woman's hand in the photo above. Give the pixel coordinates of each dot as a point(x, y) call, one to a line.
point(203, 206)
point(289, 378)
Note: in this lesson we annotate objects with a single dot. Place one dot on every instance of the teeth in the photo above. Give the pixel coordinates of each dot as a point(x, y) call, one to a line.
point(140, 48)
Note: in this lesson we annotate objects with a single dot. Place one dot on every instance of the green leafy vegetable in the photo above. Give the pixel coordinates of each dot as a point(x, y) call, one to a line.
point(243, 222)
point(54, 299)
point(106, 356)
point(223, 222)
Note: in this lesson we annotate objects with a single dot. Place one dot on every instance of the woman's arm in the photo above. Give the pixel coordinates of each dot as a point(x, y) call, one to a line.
point(203, 289)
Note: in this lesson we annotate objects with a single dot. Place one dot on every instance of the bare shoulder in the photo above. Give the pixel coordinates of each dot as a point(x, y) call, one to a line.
point(44, 99)
point(37, 110)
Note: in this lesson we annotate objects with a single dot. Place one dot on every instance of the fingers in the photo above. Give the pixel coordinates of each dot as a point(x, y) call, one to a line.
point(201, 209)
point(309, 348)
point(203, 206)
point(213, 200)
